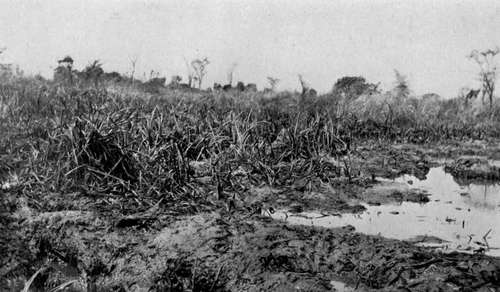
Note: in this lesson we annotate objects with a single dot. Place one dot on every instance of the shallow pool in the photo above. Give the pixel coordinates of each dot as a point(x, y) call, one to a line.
point(465, 217)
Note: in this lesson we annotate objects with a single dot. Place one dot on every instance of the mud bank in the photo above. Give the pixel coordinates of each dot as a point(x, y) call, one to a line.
point(222, 252)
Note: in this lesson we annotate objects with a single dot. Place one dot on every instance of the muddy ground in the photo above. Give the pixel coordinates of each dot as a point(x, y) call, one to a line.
point(108, 242)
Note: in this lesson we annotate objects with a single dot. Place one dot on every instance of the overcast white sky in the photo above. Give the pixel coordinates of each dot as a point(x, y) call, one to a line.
point(323, 40)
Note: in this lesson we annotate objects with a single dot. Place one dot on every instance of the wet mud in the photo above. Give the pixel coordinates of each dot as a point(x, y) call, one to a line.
point(237, 242)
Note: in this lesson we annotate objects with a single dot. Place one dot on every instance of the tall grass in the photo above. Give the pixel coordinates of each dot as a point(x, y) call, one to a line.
point(141, 145)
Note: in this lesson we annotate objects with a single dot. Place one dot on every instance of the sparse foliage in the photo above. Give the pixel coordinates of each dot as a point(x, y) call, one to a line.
point(401, 86)
point(488, 71)
point(93, 72)
point(200, 69)
point(273, 82)
point(63, 73)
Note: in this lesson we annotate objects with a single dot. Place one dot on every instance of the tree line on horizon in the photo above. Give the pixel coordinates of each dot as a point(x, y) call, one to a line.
point(350, 87)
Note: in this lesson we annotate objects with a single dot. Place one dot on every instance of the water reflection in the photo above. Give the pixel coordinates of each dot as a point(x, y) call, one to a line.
point(444, 187)
point(460, 215)
point(341, 287)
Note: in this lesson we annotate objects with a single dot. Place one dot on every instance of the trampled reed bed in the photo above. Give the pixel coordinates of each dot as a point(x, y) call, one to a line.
point(66, 139)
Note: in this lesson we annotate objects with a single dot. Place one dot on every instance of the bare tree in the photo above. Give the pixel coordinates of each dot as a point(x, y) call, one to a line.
point(230, 73)
point(133, 62)
point(200, 69)
point(488, 71)
point(273, 82)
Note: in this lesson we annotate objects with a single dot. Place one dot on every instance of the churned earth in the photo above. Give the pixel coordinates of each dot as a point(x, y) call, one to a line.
point(259, 236)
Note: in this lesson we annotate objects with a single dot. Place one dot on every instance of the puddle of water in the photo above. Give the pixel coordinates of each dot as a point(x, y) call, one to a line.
point(460, 215)
point(341, 287)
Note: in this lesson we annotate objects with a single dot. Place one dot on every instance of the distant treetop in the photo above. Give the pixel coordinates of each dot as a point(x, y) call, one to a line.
point(66, 59)
point(353, 86)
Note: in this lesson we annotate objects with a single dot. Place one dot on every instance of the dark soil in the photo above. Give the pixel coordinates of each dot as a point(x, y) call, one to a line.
point(226, 241)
